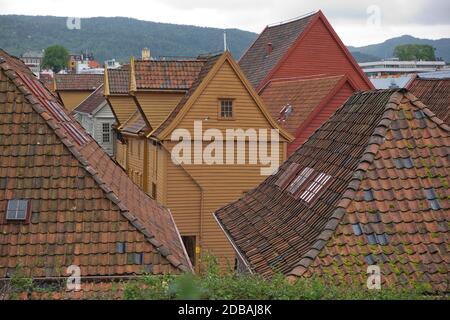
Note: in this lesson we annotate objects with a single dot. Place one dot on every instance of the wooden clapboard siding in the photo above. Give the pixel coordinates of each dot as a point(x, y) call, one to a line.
point(194, 192)
point(225, 84)
point(135, 159)
point(157, 105)
point(121, 154)
point(123, 106)
point(319, 53)
point(322, 116)
point(71, 99)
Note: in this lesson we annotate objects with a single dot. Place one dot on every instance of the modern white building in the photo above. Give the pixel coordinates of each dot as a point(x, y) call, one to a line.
point(396, 67)
point(33, 60)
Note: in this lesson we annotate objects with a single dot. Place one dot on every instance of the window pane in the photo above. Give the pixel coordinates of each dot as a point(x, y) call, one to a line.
point(301, 178)
point(17, 209)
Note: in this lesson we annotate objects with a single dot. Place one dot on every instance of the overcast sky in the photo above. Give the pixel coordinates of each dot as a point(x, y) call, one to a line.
point(358, 22)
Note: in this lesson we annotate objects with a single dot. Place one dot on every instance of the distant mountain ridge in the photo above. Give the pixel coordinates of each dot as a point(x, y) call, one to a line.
point(119, 38)
point(386, 49)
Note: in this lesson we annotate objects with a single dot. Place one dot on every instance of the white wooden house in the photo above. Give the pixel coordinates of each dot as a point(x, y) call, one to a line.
point(96, 116)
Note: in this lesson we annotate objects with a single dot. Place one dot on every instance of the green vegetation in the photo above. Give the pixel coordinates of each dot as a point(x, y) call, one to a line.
point(214, 285)
point(415, 52)
point(56, 57)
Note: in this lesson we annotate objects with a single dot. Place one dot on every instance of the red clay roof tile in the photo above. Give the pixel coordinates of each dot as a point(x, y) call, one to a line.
point(274, 232)
point(78, 82)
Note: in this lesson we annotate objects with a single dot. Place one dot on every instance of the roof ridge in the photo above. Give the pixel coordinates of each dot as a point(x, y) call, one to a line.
point(109, 193)
point(366, 159)
point(303, 16)
point(89, 96)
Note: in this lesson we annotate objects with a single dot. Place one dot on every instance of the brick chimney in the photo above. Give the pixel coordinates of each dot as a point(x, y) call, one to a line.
point(269, 48)
point(146, 54)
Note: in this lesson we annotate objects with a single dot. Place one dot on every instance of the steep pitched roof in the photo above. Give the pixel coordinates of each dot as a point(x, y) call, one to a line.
point(86, 161)
point(92, 102)
point(275, 230)
point(303, 94)
point(256, 63)
point(166, 74)
point(78, 82)
point(284, 38)
point(118, 80)
point(135, 124)
point(435, 93)
point(210, 67)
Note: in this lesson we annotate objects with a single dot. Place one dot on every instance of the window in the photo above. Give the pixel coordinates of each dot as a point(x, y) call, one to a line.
point(18, 210)
point(226, 109)
point(106, 133)
point(315, 187)
point(190, 243)
point(301, 178)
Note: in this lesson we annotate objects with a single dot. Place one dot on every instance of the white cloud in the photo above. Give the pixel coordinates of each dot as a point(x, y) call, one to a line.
point(420, 18)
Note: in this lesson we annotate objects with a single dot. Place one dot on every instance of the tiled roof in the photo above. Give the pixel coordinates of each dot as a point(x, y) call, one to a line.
point(206, 67)
point(435, 93)
point(135, 124)
point(167, 74)
point(83, 204)
point(383, 150)
point(304, 95)
point(256, 63)
point(78, 82)
point(119, 80)
point(92, 102)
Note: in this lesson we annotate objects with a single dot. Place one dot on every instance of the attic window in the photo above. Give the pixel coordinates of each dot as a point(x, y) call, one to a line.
point(431, 196)
point(315, 187)
point(226, 109)
point(301, 178)
point(18, 210)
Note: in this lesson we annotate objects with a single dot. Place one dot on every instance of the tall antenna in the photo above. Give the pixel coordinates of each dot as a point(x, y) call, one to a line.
point(225, 48)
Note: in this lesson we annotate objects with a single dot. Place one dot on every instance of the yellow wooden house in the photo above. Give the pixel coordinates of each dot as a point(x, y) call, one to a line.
point(174, 97)
point(73, 89)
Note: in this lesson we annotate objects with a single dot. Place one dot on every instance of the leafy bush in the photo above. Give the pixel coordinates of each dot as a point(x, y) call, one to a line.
point(229, 286)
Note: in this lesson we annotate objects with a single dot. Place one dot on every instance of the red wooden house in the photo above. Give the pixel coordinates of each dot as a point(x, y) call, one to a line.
point(304, 73)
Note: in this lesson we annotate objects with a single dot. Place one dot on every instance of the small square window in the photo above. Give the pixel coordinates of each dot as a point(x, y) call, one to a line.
point(226, 109)
point(18, 210)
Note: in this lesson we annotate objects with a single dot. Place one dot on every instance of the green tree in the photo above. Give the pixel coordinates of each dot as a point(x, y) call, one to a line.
point(415, 52)
point(56, 57)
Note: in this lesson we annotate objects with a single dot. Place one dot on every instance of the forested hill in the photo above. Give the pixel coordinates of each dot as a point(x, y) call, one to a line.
point(116, 37)
point(120, 38)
